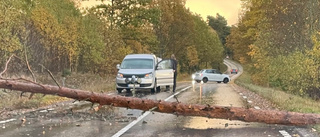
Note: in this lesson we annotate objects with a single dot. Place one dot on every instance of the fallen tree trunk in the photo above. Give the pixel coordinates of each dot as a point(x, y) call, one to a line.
point(231, 113)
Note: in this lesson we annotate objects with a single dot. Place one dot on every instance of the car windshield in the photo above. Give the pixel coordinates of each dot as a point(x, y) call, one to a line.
point(137, 64)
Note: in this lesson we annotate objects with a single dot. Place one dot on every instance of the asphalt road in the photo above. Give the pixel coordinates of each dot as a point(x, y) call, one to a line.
point(78, 119)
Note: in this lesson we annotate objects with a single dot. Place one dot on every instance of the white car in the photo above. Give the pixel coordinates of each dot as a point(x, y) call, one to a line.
point(206, 75)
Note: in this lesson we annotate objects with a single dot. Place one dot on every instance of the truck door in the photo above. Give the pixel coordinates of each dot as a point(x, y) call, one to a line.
point(164, 73)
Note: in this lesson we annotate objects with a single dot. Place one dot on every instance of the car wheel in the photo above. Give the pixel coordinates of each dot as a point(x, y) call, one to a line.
point(158, 89)
point(154, 89)
point(119, 90)
point(225, 80)
point(219, 82)
point(198, 81)
point(205, 80)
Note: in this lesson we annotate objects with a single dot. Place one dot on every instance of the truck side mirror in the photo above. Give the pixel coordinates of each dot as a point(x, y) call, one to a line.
point(118, 66)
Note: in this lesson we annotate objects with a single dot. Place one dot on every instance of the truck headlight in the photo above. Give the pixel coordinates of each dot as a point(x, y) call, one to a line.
point(120, 75)
point(139, 80)
point(148, 76)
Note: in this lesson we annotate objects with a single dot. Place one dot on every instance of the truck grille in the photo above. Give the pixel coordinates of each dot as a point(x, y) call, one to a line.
point(130, 75)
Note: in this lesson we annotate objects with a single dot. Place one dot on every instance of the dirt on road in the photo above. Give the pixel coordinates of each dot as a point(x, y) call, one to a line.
point(227, 95)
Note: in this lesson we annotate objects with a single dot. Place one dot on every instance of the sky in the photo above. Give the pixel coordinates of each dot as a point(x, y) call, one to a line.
point(229, 9)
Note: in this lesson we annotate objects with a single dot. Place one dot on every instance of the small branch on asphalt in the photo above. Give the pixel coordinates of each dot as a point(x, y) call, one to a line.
point(176, 98)
point(92, 104)
point(98, 108)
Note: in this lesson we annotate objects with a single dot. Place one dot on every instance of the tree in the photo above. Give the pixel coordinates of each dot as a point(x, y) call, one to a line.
point(175, 28)
point(220, 25)
point(58, 27)
point(135, 19)
point(208, 46)
point(192, 56)
point(279, 33)
point(11, 28)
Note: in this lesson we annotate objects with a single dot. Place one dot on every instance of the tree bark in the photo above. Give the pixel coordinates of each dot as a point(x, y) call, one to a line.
point(231, 113)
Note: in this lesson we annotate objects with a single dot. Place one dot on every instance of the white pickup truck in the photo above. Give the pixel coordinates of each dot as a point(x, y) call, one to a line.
point(144, 71)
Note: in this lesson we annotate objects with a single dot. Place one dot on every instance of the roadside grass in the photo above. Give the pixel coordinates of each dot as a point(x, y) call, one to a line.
point(184, 77)
point(283, 100)
point(89, 82)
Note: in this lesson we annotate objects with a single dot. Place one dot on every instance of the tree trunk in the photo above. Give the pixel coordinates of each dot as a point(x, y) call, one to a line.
point(231, 113)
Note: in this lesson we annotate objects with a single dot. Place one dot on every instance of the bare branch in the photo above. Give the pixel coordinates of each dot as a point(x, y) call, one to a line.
point(27, 63)
point(176, 98)
point(51, 75)
point(6, 67)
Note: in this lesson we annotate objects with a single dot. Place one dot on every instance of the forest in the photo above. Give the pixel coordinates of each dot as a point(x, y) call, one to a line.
point(62, 37)
point(279, 43)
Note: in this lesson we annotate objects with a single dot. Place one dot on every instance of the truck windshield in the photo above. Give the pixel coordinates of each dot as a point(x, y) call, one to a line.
point(137, 64)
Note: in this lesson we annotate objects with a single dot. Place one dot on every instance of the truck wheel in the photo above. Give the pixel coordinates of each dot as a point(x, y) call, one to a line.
point(119, 90)
point(158, 89)
point(154, 89)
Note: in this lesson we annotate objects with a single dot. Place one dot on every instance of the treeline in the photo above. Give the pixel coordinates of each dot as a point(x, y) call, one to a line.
point(61, 36)
point(279, 41)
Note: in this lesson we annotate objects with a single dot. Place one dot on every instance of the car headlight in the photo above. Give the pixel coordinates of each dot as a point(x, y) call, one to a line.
point(120, 75)
point(148, 76)
point(193, 76)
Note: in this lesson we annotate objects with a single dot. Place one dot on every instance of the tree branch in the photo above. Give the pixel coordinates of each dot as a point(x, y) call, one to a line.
point(51, 75)
point(6, 67)
point(231, 113)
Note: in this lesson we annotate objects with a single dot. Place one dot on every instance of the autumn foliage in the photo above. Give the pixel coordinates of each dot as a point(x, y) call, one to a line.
point(279, 40)
point(61, 35)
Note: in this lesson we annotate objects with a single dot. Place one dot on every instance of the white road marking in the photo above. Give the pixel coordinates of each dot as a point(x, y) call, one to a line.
point(177, 93)
point(126, 128)
point(285, 133)
point(6, 121)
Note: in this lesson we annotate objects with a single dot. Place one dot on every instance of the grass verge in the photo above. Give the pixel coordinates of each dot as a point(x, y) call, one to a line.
point(283, 100)
point(13, 100)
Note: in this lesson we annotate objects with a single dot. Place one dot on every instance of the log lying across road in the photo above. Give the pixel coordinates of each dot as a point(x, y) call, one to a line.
point(231, 113)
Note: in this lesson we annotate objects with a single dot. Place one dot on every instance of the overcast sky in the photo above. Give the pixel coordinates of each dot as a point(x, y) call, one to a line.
point(229, 9)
